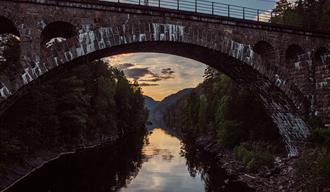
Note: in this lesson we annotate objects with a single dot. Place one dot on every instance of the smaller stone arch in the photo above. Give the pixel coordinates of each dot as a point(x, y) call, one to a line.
point(266, 51)
point(57, 29)
point(292, 55)
point(321, 56)
point(8, 27)
point(10, 51)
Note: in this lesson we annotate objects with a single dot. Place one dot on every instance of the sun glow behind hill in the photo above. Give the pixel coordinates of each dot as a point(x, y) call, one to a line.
point(159, 74)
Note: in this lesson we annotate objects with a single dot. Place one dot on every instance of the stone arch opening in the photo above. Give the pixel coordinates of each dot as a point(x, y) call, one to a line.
point(320, 56)
point(279, 105)
point(57, 32)
point(266, 51)
point(292, 55)
point(10, 50)
point(8, 27)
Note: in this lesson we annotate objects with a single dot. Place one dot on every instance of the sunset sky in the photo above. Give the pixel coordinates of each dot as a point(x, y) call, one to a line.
point(161, 74)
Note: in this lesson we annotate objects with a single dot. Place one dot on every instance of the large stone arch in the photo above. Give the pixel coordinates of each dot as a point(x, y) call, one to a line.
point(211, 47)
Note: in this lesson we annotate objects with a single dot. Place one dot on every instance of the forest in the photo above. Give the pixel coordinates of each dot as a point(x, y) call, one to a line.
point(233, 115)
point(308, 14)
point(88, 104)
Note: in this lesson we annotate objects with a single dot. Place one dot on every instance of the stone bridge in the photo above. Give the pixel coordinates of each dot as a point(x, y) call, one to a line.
point(287, 68)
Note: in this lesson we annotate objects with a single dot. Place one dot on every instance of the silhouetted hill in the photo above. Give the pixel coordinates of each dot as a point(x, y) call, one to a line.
point(170, 100)
point(157, 108)
point(150, 103)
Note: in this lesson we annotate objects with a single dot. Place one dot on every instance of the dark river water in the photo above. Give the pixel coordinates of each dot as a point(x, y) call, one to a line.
point(157, 162)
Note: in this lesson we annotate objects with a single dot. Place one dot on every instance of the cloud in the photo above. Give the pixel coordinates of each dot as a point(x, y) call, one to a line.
point(144, 74)
point(264, 16)
point(124, 66)
point(167, 73)
point(155, 78)
point(137, 73)
point(187, 72)
point(148, 84)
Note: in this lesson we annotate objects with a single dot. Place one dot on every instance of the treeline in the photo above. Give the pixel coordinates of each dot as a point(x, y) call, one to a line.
point(232, 115)
point(87, 104)
point(309, 14)
point(221, 107)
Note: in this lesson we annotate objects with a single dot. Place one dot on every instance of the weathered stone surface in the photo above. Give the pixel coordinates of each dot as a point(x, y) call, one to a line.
point(278, 63)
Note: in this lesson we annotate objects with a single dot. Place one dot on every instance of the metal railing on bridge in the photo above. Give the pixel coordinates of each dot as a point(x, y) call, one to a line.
point(206, 7)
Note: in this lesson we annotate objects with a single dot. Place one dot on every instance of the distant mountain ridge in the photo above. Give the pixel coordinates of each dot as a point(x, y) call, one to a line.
point(150, 103)
point(170, 100)
point(157, 108)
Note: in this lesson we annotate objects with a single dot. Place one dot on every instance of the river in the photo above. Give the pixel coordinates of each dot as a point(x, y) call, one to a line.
point(158, 161)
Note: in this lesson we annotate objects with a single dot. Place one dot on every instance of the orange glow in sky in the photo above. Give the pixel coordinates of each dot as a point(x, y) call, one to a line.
point(163, 73)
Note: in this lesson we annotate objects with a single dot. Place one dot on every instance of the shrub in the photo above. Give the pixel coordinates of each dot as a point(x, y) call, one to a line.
point(252, 160)
point(324, 166)
point(315, 122)
point(320, 136)
point(312, 169)
point(229, 133)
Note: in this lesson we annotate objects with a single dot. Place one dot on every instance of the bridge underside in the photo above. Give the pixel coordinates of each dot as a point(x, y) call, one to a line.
point(277, 104)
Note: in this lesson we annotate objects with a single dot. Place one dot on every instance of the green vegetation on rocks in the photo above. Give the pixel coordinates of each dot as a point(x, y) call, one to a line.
point(312, 168)
point(232, 115)
point(222, 108)
point(252, 159)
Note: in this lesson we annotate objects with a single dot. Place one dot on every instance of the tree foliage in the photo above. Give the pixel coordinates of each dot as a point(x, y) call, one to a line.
point(89, 103)
point(309, 14)
point(222, 108)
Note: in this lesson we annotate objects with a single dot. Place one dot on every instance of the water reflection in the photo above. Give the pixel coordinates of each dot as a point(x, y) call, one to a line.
point(106, 168)
point(164, 168)
point(157, 162)
point(213, 176)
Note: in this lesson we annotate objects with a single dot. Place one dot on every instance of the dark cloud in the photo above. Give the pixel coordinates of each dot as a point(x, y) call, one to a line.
point(155, 78)
point(167, 73)
point(148, 84)
point(137, 73)
point(144, 74)
point(125, 66)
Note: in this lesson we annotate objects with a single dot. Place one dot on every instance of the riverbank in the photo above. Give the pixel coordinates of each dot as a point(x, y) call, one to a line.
point(15, 172)
point(277, 179)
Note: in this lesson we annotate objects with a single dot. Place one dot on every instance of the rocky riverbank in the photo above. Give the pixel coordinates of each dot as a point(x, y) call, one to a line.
point(15, 172)
point(277, 179)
